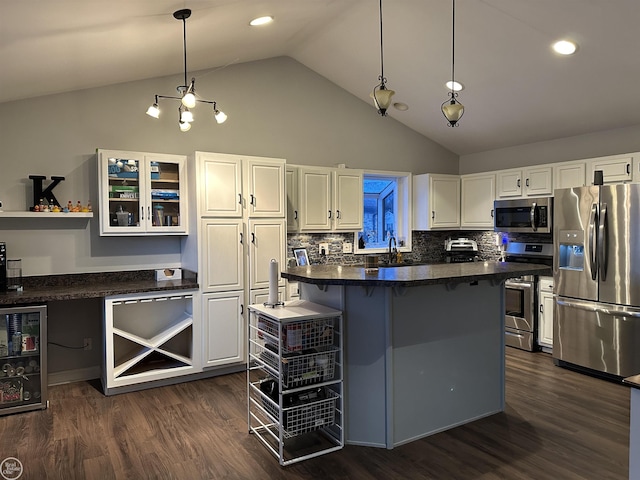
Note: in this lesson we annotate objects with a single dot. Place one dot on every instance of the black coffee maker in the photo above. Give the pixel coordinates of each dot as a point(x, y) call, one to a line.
point(3, 267)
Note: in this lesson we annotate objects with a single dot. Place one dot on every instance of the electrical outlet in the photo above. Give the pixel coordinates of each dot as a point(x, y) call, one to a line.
point(88, 343)
point(323, 248)
point(347, 247)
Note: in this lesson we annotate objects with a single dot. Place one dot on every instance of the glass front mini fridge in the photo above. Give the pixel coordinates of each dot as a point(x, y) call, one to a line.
point(23, 359)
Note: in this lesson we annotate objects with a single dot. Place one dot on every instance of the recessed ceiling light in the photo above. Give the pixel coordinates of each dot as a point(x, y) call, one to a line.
point(261, 21)
point(455, 86)
point(401, 106)
point(565, 47)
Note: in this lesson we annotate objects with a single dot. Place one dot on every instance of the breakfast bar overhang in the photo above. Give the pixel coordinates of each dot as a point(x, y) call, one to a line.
point(424, 345)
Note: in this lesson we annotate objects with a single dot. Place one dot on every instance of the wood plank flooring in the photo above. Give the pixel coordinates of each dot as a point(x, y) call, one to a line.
point(558, 424)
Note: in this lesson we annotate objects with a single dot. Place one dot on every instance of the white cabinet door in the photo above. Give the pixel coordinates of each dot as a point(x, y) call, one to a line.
point(615, 169)
point(537, 181)
point(224, 328)
point(293, 221)
point(267, 241)
point(545, 309)
point(266, 188)
point(477, 193)
point(261, 296)
point(436, 201)
point(509, 183)
point(348, 199)
point(222, 254)
point(142, 193)
point(569, 175)
point(220, 178)
point(316, 212)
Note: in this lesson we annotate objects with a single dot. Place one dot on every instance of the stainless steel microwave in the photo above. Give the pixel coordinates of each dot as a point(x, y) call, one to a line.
point(525, 215)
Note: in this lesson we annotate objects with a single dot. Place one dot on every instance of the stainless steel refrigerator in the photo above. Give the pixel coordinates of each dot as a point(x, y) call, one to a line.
point(597, 278)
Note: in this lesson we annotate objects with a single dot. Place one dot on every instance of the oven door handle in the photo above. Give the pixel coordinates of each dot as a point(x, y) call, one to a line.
point(518, 285)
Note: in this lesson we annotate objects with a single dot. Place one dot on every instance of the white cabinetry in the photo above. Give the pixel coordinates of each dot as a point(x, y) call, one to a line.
point(241, 227)
point(436, 201)
point(529, 181)
point(545, 313)
point(294, 380)
point(569, 174)
point(615, 169)
point(149, 337)
point(142, 193)
point(293, 219)
point(330, 199)
point(478, 192)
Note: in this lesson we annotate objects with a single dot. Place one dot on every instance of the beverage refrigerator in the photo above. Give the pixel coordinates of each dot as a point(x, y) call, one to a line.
point(597, 279)
point(23, 359)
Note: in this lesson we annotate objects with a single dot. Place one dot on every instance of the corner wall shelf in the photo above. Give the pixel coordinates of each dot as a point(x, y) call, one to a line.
point(20, 214)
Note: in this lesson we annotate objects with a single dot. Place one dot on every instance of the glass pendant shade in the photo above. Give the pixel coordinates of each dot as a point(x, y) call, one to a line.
point(189, 100)
point(185, 126)
point(186, 116)
point(153, 111)
point(221, 117)
point(382, 99)
point(453, 111)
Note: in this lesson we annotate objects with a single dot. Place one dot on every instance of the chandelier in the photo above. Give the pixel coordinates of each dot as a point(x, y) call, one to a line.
point(452, 108)
point(188, 99)
point(381, 95)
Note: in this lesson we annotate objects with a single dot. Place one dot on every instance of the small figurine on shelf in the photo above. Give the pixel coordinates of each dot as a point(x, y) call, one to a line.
point(86, 208)
point(68, 208)
point(89, 208)
point(77, 207)
point(44, 208)
point(40, 207)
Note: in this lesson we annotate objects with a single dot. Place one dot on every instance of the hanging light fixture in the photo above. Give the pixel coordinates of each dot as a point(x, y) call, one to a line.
point(188, 99)
point(381, 95)
point(452, 108)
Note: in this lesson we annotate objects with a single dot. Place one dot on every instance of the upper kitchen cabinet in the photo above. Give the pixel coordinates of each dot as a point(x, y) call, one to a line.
point(291, 182)
point(478, 192)
point(142, 193)
point(530, 181)
point(233, 184)
point(330, 199)
point(436, 201)
point(569, 174)
point(615, 168)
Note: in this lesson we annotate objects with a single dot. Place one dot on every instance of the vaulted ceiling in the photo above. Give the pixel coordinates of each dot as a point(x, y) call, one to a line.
point(517, 90)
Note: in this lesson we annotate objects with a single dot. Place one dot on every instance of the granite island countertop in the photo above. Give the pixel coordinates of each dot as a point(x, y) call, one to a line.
point(414, 275)
point(633, 381)
point(92, 285)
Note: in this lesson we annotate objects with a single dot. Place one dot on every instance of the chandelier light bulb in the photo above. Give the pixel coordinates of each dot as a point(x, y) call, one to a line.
point(153, 111)
point(185, 126)
point(221, 117)
point(186, 116)
point(189, 100)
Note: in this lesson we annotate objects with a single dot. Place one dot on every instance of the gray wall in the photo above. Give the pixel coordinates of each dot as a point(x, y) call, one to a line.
point(276, 108)
point(598, 144)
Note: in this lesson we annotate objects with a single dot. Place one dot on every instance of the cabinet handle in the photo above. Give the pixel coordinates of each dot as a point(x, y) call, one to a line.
point(628, 168)
point(518, 183)
point(241, 309)
point(253, 237)
point(492, 213)
point(337, 213)
point(240, 198)
point(241, 239)
point(433, 214)
point(141, 214)
point(295, 214)
point(253, 200)
point(329, 213)
point(541, 308)
point(527, 183)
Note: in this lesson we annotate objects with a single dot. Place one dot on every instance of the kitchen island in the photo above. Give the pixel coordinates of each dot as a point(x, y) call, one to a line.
point(424, 345)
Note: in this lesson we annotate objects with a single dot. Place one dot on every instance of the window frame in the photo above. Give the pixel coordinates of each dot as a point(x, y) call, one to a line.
point(403, 207)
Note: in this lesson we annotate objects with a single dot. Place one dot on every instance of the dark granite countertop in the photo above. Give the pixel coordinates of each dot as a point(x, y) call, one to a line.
point(415, 275)
point(93, 285)
point(633, 381)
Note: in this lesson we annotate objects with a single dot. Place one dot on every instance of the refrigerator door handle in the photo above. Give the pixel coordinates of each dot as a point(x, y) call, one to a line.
point(602, 242)
point(628, 312)
point(593, 247)
point(532, 216)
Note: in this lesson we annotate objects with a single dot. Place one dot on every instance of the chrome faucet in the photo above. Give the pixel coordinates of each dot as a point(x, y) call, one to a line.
point(393, 254)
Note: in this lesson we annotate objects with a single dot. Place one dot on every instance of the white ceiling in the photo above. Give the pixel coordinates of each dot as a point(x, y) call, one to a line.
point(517, 90)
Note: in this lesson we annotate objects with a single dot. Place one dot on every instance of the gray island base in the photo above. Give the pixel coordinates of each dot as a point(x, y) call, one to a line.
point(424, 345)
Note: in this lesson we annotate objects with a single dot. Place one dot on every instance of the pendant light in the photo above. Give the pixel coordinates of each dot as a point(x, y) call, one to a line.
point(381, 95)
point(452, 108)
point(188, 99)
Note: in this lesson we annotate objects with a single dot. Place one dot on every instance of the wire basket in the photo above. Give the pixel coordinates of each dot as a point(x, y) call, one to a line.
point(300, 369)
point(317, 410)
point(298, 336)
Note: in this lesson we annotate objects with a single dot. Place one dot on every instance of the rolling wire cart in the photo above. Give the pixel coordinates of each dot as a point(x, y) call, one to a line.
point(294, 379)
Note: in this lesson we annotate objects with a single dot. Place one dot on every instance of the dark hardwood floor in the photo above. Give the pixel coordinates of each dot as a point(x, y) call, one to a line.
point(558, 424)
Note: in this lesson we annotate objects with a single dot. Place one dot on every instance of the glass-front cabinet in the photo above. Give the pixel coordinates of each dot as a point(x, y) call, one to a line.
point(142, 193)
point(23, 359)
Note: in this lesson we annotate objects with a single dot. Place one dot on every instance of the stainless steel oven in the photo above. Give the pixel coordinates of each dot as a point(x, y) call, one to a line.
point(521, 313)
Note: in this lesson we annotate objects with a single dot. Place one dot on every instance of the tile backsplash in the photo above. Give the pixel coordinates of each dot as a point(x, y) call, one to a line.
point(426, 246)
